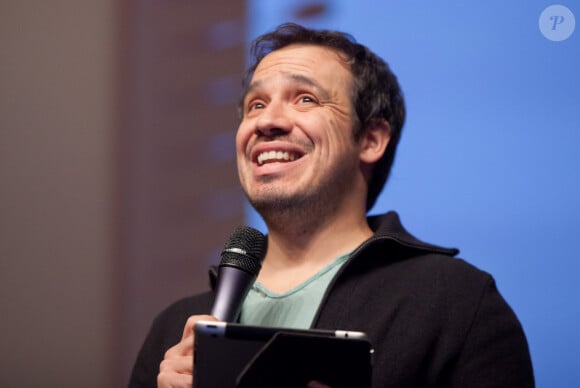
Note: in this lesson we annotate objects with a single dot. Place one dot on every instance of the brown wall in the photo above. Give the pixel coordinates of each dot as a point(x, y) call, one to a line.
point(112, 197)
point(180, 197)
point(56, 159)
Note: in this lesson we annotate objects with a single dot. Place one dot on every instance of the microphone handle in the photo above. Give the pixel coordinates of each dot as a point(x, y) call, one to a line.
point(233, 284)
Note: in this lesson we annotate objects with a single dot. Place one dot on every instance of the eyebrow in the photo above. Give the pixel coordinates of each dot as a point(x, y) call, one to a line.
point(296, 78)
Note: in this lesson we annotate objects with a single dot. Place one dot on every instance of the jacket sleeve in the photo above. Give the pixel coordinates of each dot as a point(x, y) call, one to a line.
point(160, 338)
point(146, 366)
point(165, 332)
point(495, 352)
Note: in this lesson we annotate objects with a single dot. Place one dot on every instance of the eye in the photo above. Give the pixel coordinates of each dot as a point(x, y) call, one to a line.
point(255, 105)
point(306, 99)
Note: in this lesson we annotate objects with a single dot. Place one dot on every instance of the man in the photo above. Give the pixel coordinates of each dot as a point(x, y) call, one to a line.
point(321, 119)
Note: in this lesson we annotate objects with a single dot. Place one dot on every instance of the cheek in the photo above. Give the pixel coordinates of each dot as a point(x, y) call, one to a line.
point(339, 134)
point(242, 138)
point(238, 143)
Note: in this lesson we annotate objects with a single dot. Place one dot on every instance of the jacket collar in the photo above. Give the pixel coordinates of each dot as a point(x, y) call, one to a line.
point(388, 227)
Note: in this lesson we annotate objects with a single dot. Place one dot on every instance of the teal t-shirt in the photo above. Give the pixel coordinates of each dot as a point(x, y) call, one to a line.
point(294, 308)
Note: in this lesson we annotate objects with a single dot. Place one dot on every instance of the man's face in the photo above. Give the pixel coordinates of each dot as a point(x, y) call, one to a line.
point(295, 144)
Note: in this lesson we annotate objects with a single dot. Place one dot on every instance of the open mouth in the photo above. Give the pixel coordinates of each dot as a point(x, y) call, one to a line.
point(276, 157)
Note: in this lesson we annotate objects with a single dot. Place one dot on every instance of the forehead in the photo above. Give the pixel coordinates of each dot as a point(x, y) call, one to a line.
point(322, 63)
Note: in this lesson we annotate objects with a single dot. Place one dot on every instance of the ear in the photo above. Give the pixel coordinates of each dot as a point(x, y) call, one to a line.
point(374, 141)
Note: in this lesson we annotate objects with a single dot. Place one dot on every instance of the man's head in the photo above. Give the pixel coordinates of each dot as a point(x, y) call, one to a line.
point(375, 93)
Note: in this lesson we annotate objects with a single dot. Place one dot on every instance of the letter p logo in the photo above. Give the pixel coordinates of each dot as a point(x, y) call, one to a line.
point(557, 23)
point(556, 20)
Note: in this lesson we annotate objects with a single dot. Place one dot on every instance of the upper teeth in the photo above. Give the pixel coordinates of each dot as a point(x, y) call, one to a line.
point(275, 156)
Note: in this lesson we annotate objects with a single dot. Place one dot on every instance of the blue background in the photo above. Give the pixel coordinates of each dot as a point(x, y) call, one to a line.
point(488, 161)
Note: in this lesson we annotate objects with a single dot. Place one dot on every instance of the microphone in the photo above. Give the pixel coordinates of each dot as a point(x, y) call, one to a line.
point(241, 260)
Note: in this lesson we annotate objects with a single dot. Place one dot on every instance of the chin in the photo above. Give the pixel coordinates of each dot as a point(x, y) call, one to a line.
point(267, 202)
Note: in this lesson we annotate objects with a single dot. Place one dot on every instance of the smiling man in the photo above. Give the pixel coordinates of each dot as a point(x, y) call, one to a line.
point(321, 119)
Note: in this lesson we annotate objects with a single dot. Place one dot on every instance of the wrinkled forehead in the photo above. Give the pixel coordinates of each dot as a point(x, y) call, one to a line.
point(312, 65)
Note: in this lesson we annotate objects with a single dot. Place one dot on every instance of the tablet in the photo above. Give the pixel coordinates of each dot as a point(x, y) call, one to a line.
point(229, 355)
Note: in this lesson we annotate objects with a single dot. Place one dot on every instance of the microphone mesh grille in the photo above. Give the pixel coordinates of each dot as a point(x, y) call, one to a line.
point(245, 250)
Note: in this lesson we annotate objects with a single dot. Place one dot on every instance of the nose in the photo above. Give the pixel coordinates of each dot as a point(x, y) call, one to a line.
point(274, 120)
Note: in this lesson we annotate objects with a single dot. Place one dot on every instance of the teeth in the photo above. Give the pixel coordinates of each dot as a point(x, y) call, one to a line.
point(275, 156)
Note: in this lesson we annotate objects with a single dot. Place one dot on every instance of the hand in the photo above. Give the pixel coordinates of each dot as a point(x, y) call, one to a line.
point(176, 369)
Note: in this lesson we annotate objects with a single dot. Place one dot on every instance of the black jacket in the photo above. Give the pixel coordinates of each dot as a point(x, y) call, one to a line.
point(433, 320)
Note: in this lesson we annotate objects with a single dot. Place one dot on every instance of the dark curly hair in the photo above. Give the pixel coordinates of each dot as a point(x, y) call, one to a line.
point(376, 94)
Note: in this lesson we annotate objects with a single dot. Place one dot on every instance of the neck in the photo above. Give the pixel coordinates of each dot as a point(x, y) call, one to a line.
point(299, 248)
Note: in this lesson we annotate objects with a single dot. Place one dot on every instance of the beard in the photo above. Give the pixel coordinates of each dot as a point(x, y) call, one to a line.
point(286, 207)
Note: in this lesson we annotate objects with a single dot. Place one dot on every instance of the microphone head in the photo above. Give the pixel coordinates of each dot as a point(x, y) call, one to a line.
point(245, 250)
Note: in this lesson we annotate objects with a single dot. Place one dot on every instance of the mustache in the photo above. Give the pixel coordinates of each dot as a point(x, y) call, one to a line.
point(287, 139)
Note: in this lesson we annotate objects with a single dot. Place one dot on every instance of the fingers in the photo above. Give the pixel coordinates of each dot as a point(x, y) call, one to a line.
point(176, 369)
point(185, 346)
point(176, 372)
point(182, 348)
point(188, 329)
point(174, 380)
